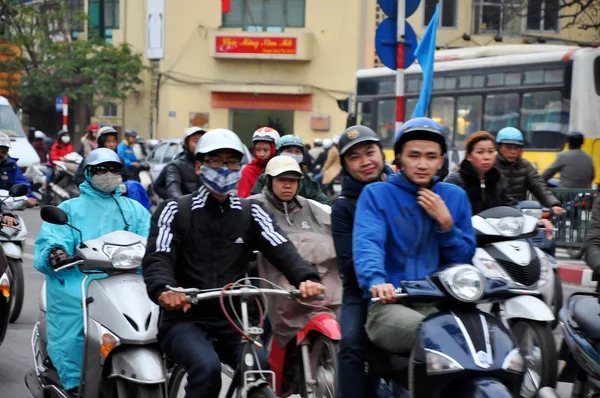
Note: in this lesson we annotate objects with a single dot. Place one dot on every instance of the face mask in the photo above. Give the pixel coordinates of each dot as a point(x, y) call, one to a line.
point(65, 139)
point(297, 158)
point(107, 182)
point(221, 181)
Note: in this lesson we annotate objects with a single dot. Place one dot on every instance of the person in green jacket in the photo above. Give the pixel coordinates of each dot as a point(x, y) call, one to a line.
point(292, 146)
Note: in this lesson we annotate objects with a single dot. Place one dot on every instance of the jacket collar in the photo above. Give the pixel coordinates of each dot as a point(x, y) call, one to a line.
point(467, 170)
point(400, 180)
point(126, 143)
point(204, 199)
point(500, 159)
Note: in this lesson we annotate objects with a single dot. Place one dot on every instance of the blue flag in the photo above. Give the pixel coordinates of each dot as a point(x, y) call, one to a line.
point(425, 53)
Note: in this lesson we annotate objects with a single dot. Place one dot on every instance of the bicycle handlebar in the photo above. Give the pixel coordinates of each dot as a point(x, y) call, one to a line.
point(196, 295)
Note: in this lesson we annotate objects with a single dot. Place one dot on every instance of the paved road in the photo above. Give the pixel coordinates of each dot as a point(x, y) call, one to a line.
point(15, 352)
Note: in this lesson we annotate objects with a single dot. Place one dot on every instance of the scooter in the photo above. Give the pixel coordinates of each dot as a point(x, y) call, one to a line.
point(460, 351)
point(12, 239)
point(121, 357)
point(63, 184)
point(313, 359)
point(503, 252)
point(580, 350)
point(36, 175)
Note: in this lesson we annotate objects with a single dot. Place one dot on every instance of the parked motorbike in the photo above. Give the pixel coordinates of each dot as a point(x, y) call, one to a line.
point(36, 175)
point(12, 239)
point(503, 252)
point(63, 186)
point(120, 358)
point(580, 351)
point(460, 351)
point(247, 380)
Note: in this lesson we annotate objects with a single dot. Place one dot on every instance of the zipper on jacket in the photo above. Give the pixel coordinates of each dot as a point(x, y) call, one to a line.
point(482, 186)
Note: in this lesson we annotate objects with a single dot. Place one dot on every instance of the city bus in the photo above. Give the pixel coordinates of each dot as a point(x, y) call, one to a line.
point(543, 90)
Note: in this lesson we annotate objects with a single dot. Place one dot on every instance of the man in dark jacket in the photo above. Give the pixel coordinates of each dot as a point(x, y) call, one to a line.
point(206, 240)
point(592, 242)
point(519, 173)
point(576, 167)
point(363, 162)
point(180, 177)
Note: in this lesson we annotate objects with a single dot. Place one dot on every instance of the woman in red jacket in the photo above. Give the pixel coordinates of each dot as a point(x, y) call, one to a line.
point(59, 149)
point(264, 141)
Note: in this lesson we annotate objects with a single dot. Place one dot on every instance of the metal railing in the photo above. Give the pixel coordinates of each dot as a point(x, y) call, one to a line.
point(572, 225)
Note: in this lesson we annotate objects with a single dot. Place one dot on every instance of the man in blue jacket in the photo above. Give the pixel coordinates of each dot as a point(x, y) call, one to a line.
point(363, 162)
point(407, 229)
point(125, 151)
point(10, 173)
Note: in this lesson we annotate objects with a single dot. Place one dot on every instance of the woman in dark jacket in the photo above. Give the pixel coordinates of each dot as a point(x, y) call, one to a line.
point(478, 175)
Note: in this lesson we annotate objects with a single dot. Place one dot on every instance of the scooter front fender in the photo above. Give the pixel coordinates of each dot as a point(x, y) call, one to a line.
point(12, 250)
point(141, 365)
point(325, 324)
point(528, 307)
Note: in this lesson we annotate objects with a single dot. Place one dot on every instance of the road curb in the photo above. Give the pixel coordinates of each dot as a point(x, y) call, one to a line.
point(576, 274)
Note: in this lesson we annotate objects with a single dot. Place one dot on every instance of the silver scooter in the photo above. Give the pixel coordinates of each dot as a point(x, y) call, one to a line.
point(121, 358)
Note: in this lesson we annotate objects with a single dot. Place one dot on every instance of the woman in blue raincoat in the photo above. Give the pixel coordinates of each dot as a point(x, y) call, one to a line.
point(99, 210)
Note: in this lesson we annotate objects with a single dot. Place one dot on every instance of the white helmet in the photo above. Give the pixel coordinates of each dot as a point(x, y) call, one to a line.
point(336, 139)
point(107, 130)
point(39, 135)
point(267, 134)
point(283, 165)
point(4, 140)
point(218, 139)
point(327, 143)
point(193, 130)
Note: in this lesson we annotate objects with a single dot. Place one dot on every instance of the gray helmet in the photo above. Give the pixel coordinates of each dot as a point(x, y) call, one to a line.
point(131, 133)
point(107, 130)
point(4, 140)
point(101, 155)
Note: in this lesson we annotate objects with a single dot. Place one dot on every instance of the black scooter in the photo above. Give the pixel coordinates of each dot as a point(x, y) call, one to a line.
point(460, 351)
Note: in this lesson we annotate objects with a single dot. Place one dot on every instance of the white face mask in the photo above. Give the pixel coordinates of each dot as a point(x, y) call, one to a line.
point(65, 139)
point(107, 182)
point(296, 157)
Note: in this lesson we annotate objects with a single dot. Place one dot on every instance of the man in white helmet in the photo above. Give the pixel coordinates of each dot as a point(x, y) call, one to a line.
point(10, 173)
point(180, 177)
point(205, 240)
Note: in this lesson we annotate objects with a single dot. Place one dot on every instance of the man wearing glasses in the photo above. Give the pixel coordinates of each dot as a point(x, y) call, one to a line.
point(205, 240)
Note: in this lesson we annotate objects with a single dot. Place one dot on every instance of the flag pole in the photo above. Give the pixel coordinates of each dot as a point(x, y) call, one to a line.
point(400, 64)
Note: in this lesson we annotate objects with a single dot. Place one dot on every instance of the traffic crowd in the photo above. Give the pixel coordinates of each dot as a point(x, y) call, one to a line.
point(384, 227)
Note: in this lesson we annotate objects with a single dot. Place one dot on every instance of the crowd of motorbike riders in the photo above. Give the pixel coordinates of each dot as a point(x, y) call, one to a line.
point(203, 235)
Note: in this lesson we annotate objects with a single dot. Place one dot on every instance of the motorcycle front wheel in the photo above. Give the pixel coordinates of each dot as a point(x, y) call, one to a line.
point(17, 290)
point(536, 342)
point(323, 367)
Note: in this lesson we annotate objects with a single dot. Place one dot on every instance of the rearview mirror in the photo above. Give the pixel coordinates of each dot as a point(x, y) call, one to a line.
point(18, 190)
point(54, 215)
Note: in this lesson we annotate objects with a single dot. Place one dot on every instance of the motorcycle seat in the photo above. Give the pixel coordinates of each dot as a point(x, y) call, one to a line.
point(586, 312)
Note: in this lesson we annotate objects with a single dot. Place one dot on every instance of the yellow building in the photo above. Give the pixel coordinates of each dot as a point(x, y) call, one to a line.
point(467, 23)
point(285, 63)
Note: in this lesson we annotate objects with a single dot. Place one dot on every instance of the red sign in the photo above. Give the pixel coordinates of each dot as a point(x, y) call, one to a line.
point(255, 45)
point(291, 102)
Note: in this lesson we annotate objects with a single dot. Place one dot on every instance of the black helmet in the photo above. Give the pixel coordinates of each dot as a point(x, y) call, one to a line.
point(61, 133)
point(355, 135)
point(131, 133)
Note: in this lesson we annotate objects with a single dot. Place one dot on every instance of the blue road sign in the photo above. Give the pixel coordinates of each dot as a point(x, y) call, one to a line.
point(386, 44)
point(60, 101)
point(390, 7)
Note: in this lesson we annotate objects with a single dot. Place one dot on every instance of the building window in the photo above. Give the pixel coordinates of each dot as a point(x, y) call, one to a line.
point(543, 15)
point(102, 23)
point(75, 10)
point(265, 15)
point(497, 17)
point(110, 110)
point(447, 12)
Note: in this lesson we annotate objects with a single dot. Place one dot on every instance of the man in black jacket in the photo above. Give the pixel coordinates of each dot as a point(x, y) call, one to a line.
point(363, 163)
point(206, 241)
point(180, 177)
point(592, 241)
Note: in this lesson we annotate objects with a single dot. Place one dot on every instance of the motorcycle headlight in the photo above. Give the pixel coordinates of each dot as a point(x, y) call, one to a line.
point(464, 282)
point(438, 362)
point(545, 269)
point(494, 270)
point(125, 257)
point(507, 226)
point(537, 213)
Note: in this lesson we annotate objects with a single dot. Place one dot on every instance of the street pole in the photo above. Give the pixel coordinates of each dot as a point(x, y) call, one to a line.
point(400, 65)
point(65, 113)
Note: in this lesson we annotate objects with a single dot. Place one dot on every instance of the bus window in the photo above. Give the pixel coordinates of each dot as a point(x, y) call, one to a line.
point(438, 83)
point(465, 81)
point(363, 113)
point(409, 107)
point(442, 111)
point(553, 76)
point(513, 79)
point(478, 81)
point(450, 83)
point(501, 110)
point(495, 79)
point(386, 121)
point(414, 85)
point(534, 77)
point(544, 116)
point(468, 118)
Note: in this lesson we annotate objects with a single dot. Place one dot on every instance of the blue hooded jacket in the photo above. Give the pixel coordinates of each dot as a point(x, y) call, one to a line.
point(342, 226)
point(95, 213)
point(10, 174)
point(395, 239)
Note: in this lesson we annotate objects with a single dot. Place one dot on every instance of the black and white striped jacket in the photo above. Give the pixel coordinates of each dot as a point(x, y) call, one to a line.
point(216, 250)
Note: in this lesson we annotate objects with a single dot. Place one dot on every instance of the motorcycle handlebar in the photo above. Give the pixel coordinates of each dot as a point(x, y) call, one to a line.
point(193, 295)
point(514, 291)
point(71, 262)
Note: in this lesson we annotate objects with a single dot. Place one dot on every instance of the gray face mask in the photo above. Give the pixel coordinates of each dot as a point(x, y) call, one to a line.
point(107, 182)
point(297, 158)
